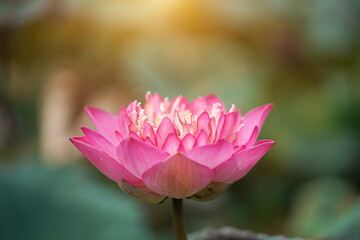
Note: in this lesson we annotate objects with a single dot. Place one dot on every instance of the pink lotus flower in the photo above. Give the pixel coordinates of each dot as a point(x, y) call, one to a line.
point(174, 148)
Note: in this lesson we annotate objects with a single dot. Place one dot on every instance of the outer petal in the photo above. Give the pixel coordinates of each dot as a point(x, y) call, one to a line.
point(177, 177)
point(241, 163)
point(106, 123)
point(261, 142)
point(106, 164)
point(100, 142)
point(118, 135)
point(254, 117)
point(165, 128)
point(258, 115)
point(138, 156)
point(212, 155)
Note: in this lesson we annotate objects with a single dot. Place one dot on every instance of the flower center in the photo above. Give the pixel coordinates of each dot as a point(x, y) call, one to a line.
point(184, 121)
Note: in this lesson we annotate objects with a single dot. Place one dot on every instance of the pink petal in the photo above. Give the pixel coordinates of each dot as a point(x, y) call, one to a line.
point(253, 137)
point(118, 135)
point(241, 163)
point(228, 126)
point(177, 177)
point(212, 155)
point(220, 126)
point(203, 123)
point(133, 106)
point(261, 142)
point(198, 105)
point(99, 141)
point(213, 126)
point(254, 117)
point(187, 143)
point(134, 135)
point(171, 144)
point(205, 103)
point(258, 115)
point(165, 128)
point(178, 102)
point(148, 131)
point(202, 139)
point(138, 156)
point(82, 139)
point(238, 119)
point(152, 104)
point(106, 123)
point(148, 141)
point(124, 122)
point(106, 164)
point(212, 99)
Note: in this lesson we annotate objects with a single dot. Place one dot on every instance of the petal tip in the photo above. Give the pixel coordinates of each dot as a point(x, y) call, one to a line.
point(89, 109)
point(270, 142)
point(85, 129)
point(131, 139)
point(75, 139)
point(269, 106)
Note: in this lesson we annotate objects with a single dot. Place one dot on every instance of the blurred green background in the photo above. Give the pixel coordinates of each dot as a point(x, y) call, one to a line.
point(57, 56)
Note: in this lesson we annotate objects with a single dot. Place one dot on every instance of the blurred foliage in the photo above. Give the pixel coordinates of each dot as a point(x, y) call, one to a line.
point(348, 226)
point(58, 56)
point(38, 202)
point(319, 205)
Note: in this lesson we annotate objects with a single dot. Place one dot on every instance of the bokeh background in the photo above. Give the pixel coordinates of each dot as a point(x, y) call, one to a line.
point(57, 56)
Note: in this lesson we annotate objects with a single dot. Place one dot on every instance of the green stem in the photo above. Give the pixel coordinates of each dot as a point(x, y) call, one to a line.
point(178, 219)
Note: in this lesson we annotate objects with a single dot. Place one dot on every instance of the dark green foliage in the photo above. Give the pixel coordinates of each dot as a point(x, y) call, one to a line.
point(40, 203)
